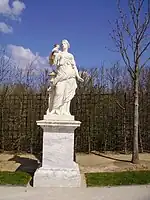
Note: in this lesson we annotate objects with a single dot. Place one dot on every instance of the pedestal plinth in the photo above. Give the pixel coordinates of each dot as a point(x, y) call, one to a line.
point(58, 168)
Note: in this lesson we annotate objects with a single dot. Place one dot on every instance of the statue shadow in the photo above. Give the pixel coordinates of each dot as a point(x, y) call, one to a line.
point(27, 165)
point(111, 158)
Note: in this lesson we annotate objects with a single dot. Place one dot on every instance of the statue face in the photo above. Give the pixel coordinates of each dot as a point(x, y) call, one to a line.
point(64, 45)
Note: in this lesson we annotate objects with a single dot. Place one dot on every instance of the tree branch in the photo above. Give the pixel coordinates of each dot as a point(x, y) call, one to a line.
point(146, 61)
point(144, 49)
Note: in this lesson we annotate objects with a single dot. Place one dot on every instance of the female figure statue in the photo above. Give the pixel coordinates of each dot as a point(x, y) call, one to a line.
point(64, 83)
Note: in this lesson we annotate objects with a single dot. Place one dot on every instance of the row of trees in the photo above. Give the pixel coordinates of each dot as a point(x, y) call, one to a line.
point(107, 121)
point(103, 103)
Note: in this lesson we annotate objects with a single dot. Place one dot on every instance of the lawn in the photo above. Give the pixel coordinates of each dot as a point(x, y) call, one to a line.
point(117, 178)
point(14, 178)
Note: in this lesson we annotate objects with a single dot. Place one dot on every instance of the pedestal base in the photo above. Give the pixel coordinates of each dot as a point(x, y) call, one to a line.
point(54, 117)
point(58, 168)
point(57, 177)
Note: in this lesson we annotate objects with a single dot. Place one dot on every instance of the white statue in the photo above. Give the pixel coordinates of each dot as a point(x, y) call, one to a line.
point(63, 83)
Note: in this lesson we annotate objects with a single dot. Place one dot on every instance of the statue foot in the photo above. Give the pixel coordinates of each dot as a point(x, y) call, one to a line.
point(52, 112)
point(56, 112)
point(66, 113)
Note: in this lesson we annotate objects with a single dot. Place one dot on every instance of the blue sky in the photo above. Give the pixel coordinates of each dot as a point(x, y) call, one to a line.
point(84, 23)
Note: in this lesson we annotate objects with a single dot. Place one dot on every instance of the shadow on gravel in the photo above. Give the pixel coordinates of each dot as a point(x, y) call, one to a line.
point(27, 165)
point(108, 157)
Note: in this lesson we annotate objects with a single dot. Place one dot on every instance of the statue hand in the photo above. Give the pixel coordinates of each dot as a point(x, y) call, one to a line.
point(80, 79)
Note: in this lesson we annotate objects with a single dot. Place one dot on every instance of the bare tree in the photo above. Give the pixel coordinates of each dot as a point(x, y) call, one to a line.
point(44, 81)
point(5, 89)
point(4, 66)
point(27, 76)
point(132, 40)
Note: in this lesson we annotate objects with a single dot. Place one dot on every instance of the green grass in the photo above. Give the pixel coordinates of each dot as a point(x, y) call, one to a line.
point(117, 178)
point(14, 178)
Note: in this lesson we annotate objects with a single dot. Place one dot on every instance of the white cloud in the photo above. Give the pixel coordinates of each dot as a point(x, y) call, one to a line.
point(24, 57)
point(17, 7)
point(4, 28)
point(13, 9)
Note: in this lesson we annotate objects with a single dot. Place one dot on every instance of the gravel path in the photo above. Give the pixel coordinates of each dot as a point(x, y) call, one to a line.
point(113, 193)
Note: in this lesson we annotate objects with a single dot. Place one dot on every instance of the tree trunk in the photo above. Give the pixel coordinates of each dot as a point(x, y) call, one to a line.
point(135, 151)
point(141, 143)
point(2, 131)
point(124, 125)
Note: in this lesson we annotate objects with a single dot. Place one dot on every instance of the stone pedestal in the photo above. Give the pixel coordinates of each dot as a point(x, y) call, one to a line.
point(58, 168)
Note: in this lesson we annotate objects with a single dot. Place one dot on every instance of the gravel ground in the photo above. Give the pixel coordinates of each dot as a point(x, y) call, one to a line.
point(87, 162)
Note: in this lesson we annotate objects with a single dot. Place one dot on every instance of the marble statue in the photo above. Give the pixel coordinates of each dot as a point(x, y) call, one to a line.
point(58, 168)
point(63, 80)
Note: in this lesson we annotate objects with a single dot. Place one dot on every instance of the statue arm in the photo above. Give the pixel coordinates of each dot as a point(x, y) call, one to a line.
point(76, 70)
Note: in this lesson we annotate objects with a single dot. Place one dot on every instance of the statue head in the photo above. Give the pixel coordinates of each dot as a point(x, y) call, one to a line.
point(65, 44)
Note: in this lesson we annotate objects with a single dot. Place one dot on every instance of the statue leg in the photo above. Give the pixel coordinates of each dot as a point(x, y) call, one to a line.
point(63, 109)
point(57, 104)
point(69, 94)
point(66, 108)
